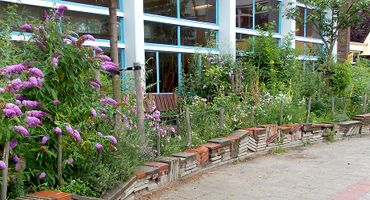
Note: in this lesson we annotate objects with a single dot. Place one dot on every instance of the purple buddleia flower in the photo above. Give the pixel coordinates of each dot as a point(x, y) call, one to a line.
point(172, 129)
point(20, 97)
point(72, 39)
point(77, 136)
point(69, 129)
point(43, 33)
point(58, 131)
point(108, 101)
point(110, 67)
point(60, 11)
point(112, 139)
point(15, 158)
point(37, 72)
point(74, 133)
point(55, 59)
point(2, 165)
point(73, 33)
point(97, 49)
point(44, 139)
point(40, 44)
point(42, 175)
point(35, 113)
point(13, 143)
point(26, 27)
point(95, 84)
point(9, 113)
point(13, 69)
point(31, 104)
point(93, 112)
point(105, 57)
point(33, 122)
point(45, 15)
point(2, 90)
point(81, 40)
point(15, 85)
point(13, 107)
point(56, 102)
point(89, 37)
point(99, 147)
point(23, 131)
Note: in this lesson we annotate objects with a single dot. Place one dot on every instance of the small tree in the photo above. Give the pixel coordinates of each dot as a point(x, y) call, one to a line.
point(329, 17)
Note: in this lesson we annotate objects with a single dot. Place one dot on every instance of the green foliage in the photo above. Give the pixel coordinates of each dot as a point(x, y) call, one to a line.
point(340, 78)
point(278, 150)
point(330, 136)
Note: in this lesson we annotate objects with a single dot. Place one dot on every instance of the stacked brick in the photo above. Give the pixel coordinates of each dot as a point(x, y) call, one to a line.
point(188, 163)
point(365, 120)
point(239, 145)
point(243, 135)
point(219, 150)
point(350, 128)
point(257, 139)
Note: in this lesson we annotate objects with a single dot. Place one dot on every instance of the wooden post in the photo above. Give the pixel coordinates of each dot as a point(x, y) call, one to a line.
point(178, 125)
point(4, 186)
point(139, 103)
point(364, 103)
point(60, 158)
point(222, 118)
point(281, 112)
point(188, 127)
point(116, 78)
point(159, 145)
point(333, 107)
point(308, 110)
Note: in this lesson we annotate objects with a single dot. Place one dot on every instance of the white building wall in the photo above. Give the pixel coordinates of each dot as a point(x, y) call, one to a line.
point(227, 21)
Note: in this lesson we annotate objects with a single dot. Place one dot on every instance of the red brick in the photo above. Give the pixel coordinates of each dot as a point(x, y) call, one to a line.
point(232, 138)
point(201, 154)
point(54, 195)
point(140, 174)
point(159, 165)
point(212, 146)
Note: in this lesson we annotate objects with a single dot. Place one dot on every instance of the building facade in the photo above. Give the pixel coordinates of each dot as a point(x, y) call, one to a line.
point(165, 34)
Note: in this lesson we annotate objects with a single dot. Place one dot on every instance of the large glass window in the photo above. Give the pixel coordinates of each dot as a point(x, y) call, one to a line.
point(244, 42)
point(168, 72)
point(160, 33)
point(263, 13)
point(104, 3)
point(198, 10)
point(244, 14)
point(86, 23)
point(267, 12)
point(197, 37)
point(308, 48)
point(161, 7)
point(151, 71)
point(311, 30)
point(300, 22)
point(299, 46)
point(305, 28)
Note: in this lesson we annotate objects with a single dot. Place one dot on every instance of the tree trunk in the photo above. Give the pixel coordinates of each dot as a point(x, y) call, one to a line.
point(116, 79)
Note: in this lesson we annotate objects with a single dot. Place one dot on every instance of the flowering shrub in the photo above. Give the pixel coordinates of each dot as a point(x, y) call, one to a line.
point(52, 91)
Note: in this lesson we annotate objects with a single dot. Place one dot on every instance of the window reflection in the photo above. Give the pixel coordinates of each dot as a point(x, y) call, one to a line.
point(86, 23)
point(160, 33)
point(300, 23)
point(267, 12)
point(198, 10)
point(161, 7)
point(168, 72)
point(313, 49)
point(104, 3)
point(299, 46)
point(151, 71)
point(244, 42)
point(311, 30)
point(244, 14)
point(197, 37)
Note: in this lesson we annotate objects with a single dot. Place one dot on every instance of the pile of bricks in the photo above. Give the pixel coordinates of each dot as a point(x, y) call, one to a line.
point(312, 133)
point(150, 176)
point(188, 163)
point(365, 119)
point(350, 128)
point(219, 150)
point(257, 139)
point(243, 142)
point(201, 155)
point(291, 135)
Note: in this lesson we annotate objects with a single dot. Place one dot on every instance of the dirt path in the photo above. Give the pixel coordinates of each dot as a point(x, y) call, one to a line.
point(339, 171)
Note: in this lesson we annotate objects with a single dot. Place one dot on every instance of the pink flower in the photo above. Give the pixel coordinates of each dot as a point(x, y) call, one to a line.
point(112, 139)
point(56, 102)
point(105, 58)
point(60, 11)
point(31, 104)
point(33, 122)
point(40, 44)
point(13, 143)
point(26, 27)
point(20, 97)
point(58, 131)
point(111, 67)
point(36, 113)
point(44, 139)
point(21, 130)
point(95, 84)
point(55, 59)
point(108, 101)
point(172, 129)
point(42, 175)
point(2, 90)
point(2, 165)
point(13, 69)
point(93, 112)
point(97, 49)
point(15, 158)
point(99, 147)
point(37, 72)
